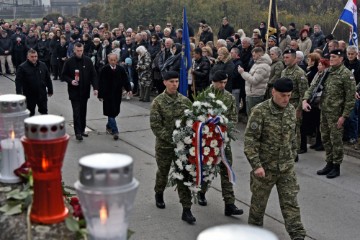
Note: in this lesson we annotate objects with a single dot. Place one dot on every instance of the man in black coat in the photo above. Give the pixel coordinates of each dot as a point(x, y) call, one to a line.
point(79, 86)
point(225, 30)
point(200, 72)
point(34, 82)
point(112, 80)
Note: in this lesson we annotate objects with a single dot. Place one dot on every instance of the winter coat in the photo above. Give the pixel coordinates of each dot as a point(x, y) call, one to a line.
point(31, 42)
point(201, 73)
point(5, 45)
point(238, 81)
point(111, 83)
point(206, 36)
point(284, 42)
point(294, 34)
point(228, 67)
point(53, 46)
point(87, 78)
point(144, 69)
point(305, 45)
point(225, 32)
point(43, 50)
point(318, 40)
point(256, 80)
point(33, 81)
point(154, 49)
point(19, 53)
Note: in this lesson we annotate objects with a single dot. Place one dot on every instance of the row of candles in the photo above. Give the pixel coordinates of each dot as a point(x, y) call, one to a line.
point(106, 187)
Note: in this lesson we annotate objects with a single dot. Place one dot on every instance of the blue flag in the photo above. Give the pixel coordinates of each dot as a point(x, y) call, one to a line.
point(185, 57)
point(349, 16)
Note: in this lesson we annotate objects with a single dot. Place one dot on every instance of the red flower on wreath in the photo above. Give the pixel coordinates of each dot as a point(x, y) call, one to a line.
point(74, 202)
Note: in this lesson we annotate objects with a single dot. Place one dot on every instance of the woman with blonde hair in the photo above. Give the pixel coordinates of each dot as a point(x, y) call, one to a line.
point(224, 63)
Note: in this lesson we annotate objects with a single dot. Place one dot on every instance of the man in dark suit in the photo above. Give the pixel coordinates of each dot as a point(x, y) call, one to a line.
point(112, 80)
point(80, 74)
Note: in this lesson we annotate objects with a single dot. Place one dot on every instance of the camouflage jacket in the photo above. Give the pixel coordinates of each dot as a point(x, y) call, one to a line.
point(165, 110)
point(144, 67)
point(230, 103)
point(270, 138)
point(297, 75)
point(338, 97)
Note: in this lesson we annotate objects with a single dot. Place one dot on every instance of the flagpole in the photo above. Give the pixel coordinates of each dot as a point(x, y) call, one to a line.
point(332, 33)
point(268, 26)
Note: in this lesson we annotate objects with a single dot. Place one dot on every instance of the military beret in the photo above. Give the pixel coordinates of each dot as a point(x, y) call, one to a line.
point(219, 76)
point(289, 51)
point(338, 52)
point(170, 75)
point(284, 85)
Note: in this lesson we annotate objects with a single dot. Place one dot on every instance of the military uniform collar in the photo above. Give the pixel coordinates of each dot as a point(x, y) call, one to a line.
point(276, 109)
point(170, 97)
point(335, 68)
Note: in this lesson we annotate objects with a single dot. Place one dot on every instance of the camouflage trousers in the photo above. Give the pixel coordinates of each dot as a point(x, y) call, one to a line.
point(332, 138)
point(226, 186)
point(164, 157)
point(295, 103)
point(287, 188)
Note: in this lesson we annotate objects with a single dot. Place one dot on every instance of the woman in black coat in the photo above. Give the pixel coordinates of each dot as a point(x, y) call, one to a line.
point(43, 49)
point(54, 60)
point(112, 80)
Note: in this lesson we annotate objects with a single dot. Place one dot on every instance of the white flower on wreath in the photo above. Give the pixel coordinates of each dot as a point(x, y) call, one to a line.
point(216, 151)
point(189, 123)
point(221, 119)
point(201, 118)
point(178, 123)
point(211, 111)
point(219, 102)
point(211, 160)
point(179, 164)
point(224, 107)
point(189, 167)
point(187, 112)
point(177, 176)
point(180, 146)
point(211, 176)
point(206, 129)
point(187, 140)
point(213, 143)
point(206, 151)
point(192, 151)
point(212, 95)
point(226, 120)
point(192, 173)
point(176, 132)
point(216, 130)
point(227, 139)
point(183, 157)
point(187, 184)
point(195, 189)
point(197, 104)
point(203, 142)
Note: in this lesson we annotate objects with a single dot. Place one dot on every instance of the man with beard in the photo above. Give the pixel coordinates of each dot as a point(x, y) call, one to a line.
point(80, 74)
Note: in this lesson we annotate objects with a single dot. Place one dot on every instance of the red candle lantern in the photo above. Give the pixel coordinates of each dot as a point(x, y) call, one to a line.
point(45, 144)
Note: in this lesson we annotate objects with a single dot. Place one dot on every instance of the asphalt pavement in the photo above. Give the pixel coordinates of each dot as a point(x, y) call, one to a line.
point(330, 208)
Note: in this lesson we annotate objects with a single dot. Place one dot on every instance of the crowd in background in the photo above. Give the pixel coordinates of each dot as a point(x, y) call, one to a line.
point(146, 52)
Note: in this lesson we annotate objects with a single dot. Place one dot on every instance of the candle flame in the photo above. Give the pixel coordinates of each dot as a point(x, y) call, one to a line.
point(103, 214)
point(44, 163)
point(12, 135)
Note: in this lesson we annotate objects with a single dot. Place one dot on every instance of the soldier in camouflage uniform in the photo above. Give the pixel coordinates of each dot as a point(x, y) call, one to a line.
point(218, 85)
point(270, 147)
point(297, 75)
point(336, 102)
point(165, 110)
point(144, 72)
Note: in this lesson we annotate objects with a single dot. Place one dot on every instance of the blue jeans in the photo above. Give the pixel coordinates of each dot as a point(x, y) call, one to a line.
point(111, 124)
point(351, 123)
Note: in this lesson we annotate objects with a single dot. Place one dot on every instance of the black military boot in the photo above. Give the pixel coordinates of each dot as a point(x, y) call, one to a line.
point(201, 199)
point(187, 216)
point(231, 209)
point(329, 166)
point(335, 172)
point(159, 198)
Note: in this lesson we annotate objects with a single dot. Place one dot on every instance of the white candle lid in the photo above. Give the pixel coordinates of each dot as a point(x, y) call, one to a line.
point(236, 232)
point(44, 127)
point(10, 103)
point(106, 170)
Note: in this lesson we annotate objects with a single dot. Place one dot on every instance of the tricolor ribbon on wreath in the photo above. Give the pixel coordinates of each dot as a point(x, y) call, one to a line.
point(198, 127)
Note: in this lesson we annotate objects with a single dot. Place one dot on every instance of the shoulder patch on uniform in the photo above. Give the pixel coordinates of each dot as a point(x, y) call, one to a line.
point(351, 77)
point(254, 125)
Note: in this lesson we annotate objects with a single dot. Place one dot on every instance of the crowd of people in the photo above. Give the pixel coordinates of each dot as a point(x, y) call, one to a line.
point(323, 72)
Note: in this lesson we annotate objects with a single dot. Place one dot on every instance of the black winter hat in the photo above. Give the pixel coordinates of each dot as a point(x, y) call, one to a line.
point(284, 85)
point(219, 76)
point(338, 52)
point(170, 75)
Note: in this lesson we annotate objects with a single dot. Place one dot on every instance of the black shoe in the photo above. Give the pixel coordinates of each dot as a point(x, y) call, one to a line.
point(335, 172)
point(314, 146)
point(85, 134)
point(297, 158)
point(79, 137)
point(201, 199)
point(329, 166)
point(116, 136)
point(231, 209)
point(187, 216)
point(159, 199)
point(319, 148)
point(302, 151)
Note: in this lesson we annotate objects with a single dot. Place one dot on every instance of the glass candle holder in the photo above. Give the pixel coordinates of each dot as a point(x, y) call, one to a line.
point(45, 144)
point(12, 114)
point(106, 190)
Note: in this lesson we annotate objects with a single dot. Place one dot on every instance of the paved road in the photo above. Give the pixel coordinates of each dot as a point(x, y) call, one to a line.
point(330, 208)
